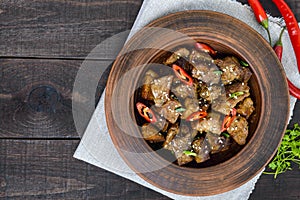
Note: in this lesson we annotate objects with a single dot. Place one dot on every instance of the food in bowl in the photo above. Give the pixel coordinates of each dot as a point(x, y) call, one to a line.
point(201, 108)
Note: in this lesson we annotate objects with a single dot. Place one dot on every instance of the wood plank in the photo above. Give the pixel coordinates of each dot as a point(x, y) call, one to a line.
point(59, 29)
point(36, 96)
point(41, 169)
point(45, 169)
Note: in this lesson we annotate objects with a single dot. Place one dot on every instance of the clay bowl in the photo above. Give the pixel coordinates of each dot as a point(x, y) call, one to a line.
point(153, 44)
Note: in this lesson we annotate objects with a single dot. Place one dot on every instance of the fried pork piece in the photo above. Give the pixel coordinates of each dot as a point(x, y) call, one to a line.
point(210, 93)
point(151, 133)
point(238, 130)
point(217, 143)
point(181, 142)
point(246, 108)
point(212, 123)
point(184, 91)
point(204, 68)
point(161, 89)
point(184, 159)
point(182, 52)
point(235, 93)
point(201, 148)
point(168, 110)
point(162, 124)
point(200, 57)
point(178, 145)
point(191, 106)
point(206, 73)
point(146, 88)
point(232, 70)
point(172, 132)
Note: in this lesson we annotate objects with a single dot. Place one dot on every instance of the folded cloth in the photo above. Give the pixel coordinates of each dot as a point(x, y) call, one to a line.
point(96, 146)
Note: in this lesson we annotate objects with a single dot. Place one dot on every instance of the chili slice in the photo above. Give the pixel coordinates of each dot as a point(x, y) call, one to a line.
point(292, 27)
point(228, 120)
point(204, 47)
point(196, 115)
point(146, 112)
point(182, 75)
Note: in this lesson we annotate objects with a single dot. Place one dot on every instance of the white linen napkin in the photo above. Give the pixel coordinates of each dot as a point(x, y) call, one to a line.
point(96, 146)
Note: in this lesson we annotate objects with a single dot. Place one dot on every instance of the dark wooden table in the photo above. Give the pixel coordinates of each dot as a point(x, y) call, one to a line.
point(42, 45)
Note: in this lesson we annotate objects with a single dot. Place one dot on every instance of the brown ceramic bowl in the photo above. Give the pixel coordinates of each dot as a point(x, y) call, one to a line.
point(269, 91)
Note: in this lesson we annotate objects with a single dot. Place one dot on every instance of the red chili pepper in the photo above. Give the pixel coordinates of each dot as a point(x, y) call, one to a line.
point(182, 75)
point(146, 112)
point(293, 89)
point(292, 27)
point(278, 48)
point(228, 120)
point(196, 115)
point(204, 47)
point(260, 15)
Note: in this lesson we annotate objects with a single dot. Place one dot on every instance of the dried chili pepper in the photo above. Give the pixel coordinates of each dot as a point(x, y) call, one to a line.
point(196, 115)
point(228, 120)
point(260, 15)
point(182, 75)
point(146, 112)
point(204, 47)
point(292, 27)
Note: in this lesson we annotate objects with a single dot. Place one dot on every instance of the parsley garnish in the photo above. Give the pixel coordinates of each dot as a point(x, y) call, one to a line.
point(288, 151)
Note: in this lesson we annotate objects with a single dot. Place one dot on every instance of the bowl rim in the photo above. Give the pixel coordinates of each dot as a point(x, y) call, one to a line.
point(242, 152)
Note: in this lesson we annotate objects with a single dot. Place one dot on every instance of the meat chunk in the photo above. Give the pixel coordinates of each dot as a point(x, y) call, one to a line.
point(238, 130)
point(184, 91)
point(232, 70)
point(182, 52)
point(212, 123)
point(191, 106)
point(205, 69)
point(210, 93)
point(181, 142)
point(161, 124)
point(235, 93)
point(217, 143)
point(246, 108)
point(151, 133)
point(184, 159)
point(201, 148)
point(178, 145)
point(172, 132)
point(161, 89)
point(146, 88)
point(169, 110)
point(200, 57)
point(207, 74)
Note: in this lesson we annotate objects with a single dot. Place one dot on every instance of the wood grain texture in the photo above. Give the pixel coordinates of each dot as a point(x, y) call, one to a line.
point(61, 28)
point(45, 169)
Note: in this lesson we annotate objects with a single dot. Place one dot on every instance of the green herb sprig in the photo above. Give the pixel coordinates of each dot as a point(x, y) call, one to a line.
point(288, 152)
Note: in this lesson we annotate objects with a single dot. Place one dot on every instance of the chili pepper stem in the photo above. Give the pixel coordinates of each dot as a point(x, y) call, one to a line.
point(269, 36)
point(279, 42)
